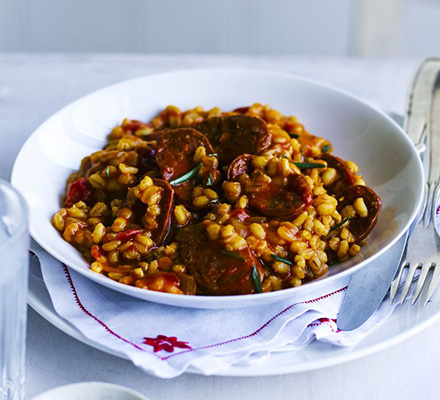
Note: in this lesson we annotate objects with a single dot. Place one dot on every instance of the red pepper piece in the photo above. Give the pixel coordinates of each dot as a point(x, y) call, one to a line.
point(128, 235)
point(240, 214)
point(78, 190)
point(133, 125)
point(96, 252)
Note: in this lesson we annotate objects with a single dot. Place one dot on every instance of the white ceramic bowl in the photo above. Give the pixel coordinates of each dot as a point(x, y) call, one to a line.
point(91, 391)
point(359, 132)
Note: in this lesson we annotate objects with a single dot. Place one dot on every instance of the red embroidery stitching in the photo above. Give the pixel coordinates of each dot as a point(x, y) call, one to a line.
point(89, 314)
point(315, 300)
point(166, 343)
point(330, 322)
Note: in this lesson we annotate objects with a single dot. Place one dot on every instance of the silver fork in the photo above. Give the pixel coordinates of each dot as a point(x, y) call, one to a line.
point(418, 258)
point(423, 251)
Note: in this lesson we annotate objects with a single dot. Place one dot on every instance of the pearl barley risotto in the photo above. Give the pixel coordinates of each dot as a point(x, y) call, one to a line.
point(216, 203)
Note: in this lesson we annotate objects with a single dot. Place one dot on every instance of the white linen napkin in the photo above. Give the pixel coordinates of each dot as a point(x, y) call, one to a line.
point(164, 341)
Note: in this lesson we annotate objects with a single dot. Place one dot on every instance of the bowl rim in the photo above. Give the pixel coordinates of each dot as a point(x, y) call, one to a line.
point(231, 300)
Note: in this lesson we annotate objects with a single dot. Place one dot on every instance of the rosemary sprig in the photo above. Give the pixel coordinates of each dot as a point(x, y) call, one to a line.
point(282, 259)
point(234, 255)
point(326, 148)
point(187, 176)
point(306, 165)
point(340, 224)
point(210, 181)
point(257, 280)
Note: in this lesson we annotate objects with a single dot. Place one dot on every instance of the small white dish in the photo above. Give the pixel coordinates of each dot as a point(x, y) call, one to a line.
point(359, 132)
point(91, 391)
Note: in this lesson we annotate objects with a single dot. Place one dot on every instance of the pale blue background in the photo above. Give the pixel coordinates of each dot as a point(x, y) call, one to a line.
point(372, 28)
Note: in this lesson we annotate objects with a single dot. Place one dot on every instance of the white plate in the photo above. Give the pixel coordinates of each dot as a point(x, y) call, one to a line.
point(386, 157)
point(405, 321)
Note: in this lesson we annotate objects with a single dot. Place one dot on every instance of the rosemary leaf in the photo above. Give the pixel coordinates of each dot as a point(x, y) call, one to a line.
point(326, 148)
point(234, 255)
point(282, 259)
point(187, 176)
point(340, 224)
point(306, 165)
point(257, 280)
point(293, 135)
point(210, 181)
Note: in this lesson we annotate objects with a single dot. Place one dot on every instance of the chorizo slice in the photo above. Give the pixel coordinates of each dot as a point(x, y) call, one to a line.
point(239, 166)
point(216, 271)
point(163, 220)
point(147, 159)
point(344, 177)
point(288, 198)
point(175, 157)
point(358, 226)
point(241, 110)
point(281, 197)
point(187, 283)
point(175, 151)
point(234, 135)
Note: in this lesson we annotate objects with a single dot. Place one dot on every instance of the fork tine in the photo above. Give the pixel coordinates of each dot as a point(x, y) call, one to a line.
point(409, 278)
point(396, 282)
point(434, 283)
point(421, 282)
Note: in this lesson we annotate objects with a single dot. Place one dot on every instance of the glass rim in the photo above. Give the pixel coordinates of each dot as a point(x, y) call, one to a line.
point(23, 224)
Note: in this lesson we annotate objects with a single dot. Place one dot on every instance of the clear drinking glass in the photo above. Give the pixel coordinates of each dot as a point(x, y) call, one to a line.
point(14, 259)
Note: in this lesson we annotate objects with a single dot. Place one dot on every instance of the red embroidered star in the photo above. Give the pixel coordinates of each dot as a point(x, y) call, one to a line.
point(166, 343)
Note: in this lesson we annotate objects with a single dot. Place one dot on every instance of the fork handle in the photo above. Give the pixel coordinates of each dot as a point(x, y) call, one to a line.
point(429, 207)
point(434, 132)
point(418, 99)
point(433, 144)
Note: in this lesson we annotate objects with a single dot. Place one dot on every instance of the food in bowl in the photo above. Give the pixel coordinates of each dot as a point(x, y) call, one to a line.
point(216, 203)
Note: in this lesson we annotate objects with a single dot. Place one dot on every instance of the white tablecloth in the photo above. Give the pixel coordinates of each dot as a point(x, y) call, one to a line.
point(32, 87)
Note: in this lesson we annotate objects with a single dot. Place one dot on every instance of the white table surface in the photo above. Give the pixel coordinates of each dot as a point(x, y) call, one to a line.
point(33, 86)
